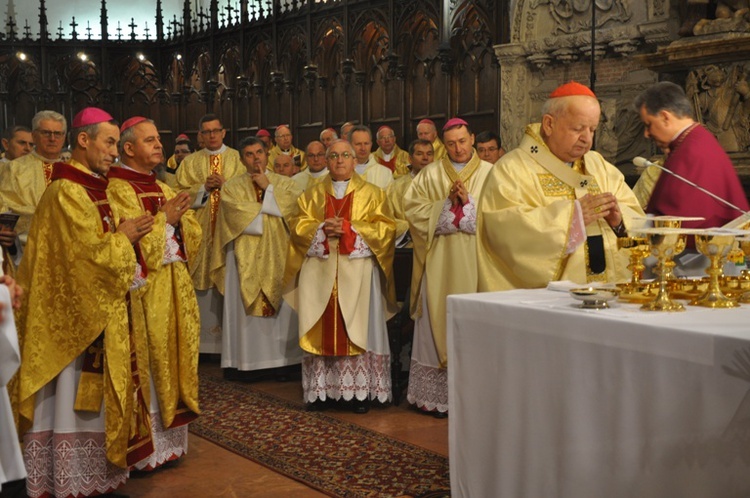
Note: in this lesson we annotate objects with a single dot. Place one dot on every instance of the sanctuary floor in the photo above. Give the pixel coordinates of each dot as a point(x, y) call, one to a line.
point(211, 471)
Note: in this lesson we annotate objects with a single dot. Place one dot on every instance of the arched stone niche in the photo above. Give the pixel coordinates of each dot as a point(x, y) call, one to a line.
point(550, 43)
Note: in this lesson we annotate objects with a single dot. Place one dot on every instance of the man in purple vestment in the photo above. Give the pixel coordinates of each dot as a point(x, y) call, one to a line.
point(695, 154)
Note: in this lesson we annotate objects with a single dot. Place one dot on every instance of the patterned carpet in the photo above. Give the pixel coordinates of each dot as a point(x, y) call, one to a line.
point(335, 457)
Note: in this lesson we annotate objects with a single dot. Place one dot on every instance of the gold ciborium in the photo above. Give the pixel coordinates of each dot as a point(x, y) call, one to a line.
point(664, 243)
point(639, 249)
point(714, 245)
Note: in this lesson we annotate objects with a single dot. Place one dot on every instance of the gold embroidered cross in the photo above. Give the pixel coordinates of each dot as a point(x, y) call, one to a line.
point(98, 351)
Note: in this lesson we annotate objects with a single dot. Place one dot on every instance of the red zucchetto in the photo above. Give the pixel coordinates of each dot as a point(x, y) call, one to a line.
point(130, 122)
point(571, 89)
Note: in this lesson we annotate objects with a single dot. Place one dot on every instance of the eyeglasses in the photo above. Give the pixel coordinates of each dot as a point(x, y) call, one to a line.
point(50, 133)
point(387, 137)
point(334, 156)
point(205, 133)
point(322, 154)
point(284, 136)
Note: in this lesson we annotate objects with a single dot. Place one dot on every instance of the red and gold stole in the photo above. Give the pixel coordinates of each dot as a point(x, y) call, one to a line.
point(215, 167)
point(47, 168)
point(91, 383)
point(335, 340)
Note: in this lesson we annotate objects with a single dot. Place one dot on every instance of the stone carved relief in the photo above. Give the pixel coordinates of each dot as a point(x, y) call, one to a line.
point(721, 100)
point(572, 16)
point(551, 40)
point(731, 16)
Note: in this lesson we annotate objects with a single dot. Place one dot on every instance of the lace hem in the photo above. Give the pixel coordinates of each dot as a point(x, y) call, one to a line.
point(139, 279)
point(318, 247)
point(347, 377)
point(172, 248)
point(71, 464)
point(428, 387)
point(361, 249)
point(169, 444)
point(468, 223)
point(445, 223)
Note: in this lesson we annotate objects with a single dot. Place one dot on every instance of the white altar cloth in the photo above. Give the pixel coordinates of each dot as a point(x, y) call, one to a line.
point(549, 400)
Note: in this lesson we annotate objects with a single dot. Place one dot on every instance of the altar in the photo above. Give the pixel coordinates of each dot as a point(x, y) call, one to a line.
point(550, 400)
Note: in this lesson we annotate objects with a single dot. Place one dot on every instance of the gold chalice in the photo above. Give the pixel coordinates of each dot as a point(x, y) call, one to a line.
point(671, 222)
point(715, 245)
point(664, 243)
point(639, 249)
point(745, 275)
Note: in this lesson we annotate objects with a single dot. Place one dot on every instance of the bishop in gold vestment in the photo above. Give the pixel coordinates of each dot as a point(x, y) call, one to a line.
point(341, 283)
point(78, 385)
point(552, 209)
point(166, 299)
point(202, 174)
point(443, 228)
point(247, 267)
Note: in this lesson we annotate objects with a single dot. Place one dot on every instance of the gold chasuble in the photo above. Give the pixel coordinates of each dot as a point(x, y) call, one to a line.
point(526, 213)
point(439, 149)
point(399, 162)
point(298, 156)
point(191, 176)
point(171, 320)
point(76, 274)
point(21, 186)
point(260, 258)
point(448, 261)
point(395, 192)
point(332, 294)
point(170, 172)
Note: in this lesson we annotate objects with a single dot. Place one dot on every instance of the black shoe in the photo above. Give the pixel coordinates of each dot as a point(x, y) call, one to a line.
point(361, 406)
point(316, 406)
point(439, 415)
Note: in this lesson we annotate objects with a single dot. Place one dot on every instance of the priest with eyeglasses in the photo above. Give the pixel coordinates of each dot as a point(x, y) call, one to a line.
point(339, 278)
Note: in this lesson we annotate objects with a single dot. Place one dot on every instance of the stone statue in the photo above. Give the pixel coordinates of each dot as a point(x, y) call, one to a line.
point(721, 100)
point(730, 16)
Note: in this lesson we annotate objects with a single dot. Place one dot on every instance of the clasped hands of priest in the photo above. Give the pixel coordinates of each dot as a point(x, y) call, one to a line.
point(600, 206)
point(458, 193)
point(334, 227)
point(214, 181)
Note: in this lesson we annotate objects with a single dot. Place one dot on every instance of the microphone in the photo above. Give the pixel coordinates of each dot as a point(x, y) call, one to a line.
point(642, 162)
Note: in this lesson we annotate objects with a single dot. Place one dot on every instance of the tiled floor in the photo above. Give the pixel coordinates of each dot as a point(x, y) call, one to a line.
point(211, 471)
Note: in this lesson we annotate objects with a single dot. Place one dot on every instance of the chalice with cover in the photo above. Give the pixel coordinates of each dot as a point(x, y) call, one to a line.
point(715, 245)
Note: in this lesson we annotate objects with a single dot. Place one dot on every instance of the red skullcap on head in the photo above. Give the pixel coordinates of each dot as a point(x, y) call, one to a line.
point(330, 129)
point(262, 133)
point(453, 122)
point(570, 89)
point(91, 116)
point(182, 138)
point(426, 121)
point(384, 127)
point(130, 122)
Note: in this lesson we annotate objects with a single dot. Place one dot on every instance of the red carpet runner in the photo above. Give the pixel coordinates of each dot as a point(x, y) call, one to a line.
point(335, 457)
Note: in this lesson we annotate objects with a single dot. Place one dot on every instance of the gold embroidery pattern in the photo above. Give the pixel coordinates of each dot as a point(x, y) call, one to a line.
point(554, 187)
point(215, 194)
point(47, 173)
